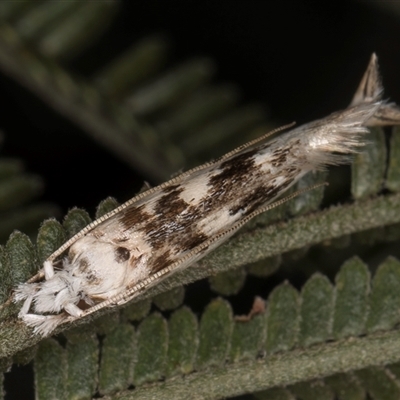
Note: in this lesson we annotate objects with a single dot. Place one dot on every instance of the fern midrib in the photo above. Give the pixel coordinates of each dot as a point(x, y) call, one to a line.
point(287, 368)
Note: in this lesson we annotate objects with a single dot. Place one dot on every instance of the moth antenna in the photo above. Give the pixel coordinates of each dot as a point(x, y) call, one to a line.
point(257, 140)
point(284, 200)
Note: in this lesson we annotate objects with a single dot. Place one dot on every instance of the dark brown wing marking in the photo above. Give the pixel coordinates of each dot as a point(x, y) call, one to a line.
point(160, 262)
point(134, 215)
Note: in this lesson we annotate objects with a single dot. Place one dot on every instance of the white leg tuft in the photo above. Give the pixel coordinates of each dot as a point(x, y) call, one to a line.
point(44, 324)
point(48, 270)
point(73, 310)
point(25, 308)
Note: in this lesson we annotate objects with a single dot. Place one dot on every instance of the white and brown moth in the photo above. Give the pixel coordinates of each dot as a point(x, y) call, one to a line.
point(171, 226)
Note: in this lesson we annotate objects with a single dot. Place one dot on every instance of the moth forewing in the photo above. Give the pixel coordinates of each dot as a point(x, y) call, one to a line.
point(168, 227)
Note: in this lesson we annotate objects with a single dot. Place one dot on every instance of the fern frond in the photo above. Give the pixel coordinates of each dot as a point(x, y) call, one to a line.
point(300, 336)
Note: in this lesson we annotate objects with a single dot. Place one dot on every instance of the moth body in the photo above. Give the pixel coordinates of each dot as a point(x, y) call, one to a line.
point(170, 226)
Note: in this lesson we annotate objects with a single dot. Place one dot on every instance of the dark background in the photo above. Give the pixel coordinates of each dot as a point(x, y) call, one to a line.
point(303, 59)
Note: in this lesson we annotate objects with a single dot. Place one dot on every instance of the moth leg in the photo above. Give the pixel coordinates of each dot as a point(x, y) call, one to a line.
point(44, 324)
point(25, 291)
point(25, 308)
point(73, 310)
point(48, 270)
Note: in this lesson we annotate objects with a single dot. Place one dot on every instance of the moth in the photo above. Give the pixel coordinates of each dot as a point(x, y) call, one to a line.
point(169, 227)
